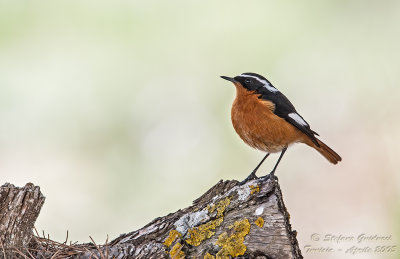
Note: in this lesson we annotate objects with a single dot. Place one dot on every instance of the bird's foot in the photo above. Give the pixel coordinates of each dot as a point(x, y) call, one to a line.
point(271, 176)
point(252, 176)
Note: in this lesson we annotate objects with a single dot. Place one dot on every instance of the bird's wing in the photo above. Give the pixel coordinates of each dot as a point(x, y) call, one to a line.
point(285, 109)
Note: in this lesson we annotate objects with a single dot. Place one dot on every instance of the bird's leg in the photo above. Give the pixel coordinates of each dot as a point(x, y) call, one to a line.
point(253, 176)
point(271, 175)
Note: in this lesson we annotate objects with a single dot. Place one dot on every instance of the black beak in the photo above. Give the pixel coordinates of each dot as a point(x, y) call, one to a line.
point(229, 79)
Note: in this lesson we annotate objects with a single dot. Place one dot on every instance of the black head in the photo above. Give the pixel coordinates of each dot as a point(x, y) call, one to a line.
point(252, 82)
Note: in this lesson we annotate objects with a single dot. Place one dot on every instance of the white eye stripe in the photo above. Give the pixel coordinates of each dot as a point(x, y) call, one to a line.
point(297, 118)
point(264, 82)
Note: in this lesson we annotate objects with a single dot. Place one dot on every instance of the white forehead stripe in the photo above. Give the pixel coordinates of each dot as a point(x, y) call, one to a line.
point(264, 82)
point(297, 118)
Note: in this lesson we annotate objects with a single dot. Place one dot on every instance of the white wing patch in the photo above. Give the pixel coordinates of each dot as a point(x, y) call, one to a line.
point(297, 118)
point(265, 83)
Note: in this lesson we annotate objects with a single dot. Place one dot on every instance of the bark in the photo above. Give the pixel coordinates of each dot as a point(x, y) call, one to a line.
point(228, 221)
point(19, 209)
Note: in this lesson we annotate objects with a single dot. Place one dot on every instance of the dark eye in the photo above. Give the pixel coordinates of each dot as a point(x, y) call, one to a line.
point(247, 81)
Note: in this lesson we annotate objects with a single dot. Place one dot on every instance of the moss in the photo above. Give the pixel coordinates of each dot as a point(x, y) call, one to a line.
point(176, 252)
point(208, 256)
point(205, 231)
point(233, 244)
point(173, 234)
point(254, 189)
point(259, 222)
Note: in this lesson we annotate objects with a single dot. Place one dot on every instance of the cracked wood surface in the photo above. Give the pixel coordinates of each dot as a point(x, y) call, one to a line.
point(228, 221)
point(19, 209)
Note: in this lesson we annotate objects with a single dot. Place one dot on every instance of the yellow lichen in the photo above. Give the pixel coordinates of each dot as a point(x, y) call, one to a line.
point(205, 231)
point(173, 234)
point(208, 256)
point(259, 222)
point(176, 252)
point(211, 208)
point(233, 245)
point(221, 206)
point(254, 189)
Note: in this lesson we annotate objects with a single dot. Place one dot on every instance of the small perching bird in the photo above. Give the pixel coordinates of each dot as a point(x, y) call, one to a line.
point(266, 120)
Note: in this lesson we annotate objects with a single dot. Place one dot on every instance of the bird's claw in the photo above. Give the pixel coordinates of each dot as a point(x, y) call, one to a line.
point(270, 176)
point(252, 176)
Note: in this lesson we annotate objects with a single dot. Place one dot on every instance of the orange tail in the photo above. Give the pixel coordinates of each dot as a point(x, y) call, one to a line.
point(327, 152)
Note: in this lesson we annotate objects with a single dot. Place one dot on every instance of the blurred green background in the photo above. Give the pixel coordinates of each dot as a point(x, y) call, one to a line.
point(116, 109)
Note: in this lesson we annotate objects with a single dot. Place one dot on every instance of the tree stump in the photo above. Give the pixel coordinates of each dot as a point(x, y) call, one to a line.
point(19, 209)
point(228, 221)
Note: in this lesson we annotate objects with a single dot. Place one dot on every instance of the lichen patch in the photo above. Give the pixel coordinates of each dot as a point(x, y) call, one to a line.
point(233, 244)
point(208, 256)
point(198, 234)
point(221, 206)
point(203, 232)
point(191, 220)
point(259, 222)
point(176, 252)
point(173, 234)
point(243, 192)
point(254, 189)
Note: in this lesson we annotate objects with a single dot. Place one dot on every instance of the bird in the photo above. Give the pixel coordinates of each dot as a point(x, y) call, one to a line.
point(266, 120)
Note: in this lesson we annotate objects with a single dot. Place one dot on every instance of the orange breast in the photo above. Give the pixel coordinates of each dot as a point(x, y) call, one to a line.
point(258, 126)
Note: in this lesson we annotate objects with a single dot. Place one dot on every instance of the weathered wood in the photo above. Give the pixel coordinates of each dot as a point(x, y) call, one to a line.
point(228, 221)
point(19, 209)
